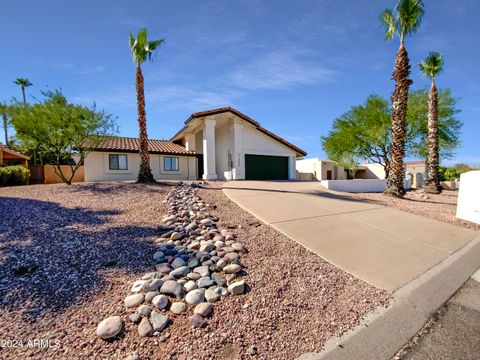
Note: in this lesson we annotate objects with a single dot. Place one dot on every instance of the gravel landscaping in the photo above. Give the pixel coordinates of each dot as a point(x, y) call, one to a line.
point(69, 257)
point(440, 207)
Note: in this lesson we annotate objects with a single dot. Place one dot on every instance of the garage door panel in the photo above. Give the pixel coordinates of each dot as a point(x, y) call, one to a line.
point(263, 167)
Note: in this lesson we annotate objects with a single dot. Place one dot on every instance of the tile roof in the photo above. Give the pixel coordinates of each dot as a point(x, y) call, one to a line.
point(13, 152)
point(125, 144)
point(244, 117)
point(415, 162)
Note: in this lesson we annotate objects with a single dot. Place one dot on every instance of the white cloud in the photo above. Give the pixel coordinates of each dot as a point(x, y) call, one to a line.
point(191, 98)
point(281, 69)
point(90, 70)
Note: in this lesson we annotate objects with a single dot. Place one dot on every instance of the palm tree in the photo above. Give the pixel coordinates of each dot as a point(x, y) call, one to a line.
point(142, 50)
point(404, 20)
point(431, 67)
point(3, 113)
point(24, 83)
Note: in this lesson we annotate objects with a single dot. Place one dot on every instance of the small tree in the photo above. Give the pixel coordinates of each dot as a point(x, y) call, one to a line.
point(61, 130)
point(364, 131)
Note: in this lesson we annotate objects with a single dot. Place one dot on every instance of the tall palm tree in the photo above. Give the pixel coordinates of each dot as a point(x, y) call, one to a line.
point(142, 50)
point(431, 67)
point(3, 113)
point(404, 20)
point(24, 83)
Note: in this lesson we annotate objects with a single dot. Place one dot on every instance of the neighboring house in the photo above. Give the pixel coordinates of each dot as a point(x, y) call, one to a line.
point(415, 171)
point(12, 157)
point(216, 144)
point(320, 169)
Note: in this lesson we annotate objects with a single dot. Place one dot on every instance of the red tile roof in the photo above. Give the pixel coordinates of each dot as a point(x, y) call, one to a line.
point(415, 162)
point(244, 117)
point(125, 144)
point(12, 153)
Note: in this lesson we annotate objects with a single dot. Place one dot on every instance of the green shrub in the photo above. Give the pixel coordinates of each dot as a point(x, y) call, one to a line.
point(14, 175)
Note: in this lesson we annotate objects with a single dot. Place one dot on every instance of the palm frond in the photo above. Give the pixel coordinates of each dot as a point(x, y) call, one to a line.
point(409, 14)
point(388, 20)
point(141, 48)
point(432, 65)
point(24, 82)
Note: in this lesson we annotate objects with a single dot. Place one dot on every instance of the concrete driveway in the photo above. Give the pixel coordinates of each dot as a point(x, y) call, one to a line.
point(380, 245)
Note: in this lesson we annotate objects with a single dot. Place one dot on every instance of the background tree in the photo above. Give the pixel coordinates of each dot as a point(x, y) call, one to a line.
point(404, 20)
point(23, 83)
point(142, 50)
point(449, 127)
point(364, 131)
point(5, 120)
point(431, 67)
point(61, 130)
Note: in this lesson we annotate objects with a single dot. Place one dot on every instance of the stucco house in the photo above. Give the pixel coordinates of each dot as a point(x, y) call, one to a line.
point(215, 144)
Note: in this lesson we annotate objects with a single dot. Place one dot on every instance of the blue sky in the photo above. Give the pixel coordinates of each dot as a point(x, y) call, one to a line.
point(292, 65)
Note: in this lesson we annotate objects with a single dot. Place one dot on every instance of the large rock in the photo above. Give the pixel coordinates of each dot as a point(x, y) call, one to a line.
point(180, 272)
point(159, 321)
point(173, 288)
point(219, 279)
point(203, 309)
point(237, 288)
point(178, 262)
point(197, 321)
point(160, 301)
point(211, 295)
point(144, 310)
point(202, 270)
point(178, 307)
point(232, 269)
point(205, 282)
point(110, 327)
point(145, 328)
point(155, 284)
point(134, 300)
point(207, 247)
point(176, 236)
point(195, 297)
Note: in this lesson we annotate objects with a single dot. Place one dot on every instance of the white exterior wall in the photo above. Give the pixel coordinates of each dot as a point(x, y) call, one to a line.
point(224, 151)
point(318, 168)
point(97, 169)
point(374, 171)
point(254, 142)
point(359, 185)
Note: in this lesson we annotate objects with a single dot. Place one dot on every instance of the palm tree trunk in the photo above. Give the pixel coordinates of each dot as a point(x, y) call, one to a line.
point(5, 128)
point(145, 174)
point(432, 181)
point(396, 173)
point(24, 98)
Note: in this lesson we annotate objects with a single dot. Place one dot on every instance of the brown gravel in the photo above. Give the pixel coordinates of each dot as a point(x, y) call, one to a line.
point(87, 243)
point(440, 207)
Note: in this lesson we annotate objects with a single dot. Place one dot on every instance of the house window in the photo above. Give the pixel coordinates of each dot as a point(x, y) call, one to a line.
point(170, 163)
point(117, 162)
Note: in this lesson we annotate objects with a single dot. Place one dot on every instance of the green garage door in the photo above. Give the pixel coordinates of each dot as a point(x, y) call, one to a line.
point(262, 167)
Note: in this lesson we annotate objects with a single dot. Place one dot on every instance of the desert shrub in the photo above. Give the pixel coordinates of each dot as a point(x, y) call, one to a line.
point(14, 175)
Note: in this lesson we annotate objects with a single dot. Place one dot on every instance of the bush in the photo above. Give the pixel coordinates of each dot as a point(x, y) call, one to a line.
point(14, 175)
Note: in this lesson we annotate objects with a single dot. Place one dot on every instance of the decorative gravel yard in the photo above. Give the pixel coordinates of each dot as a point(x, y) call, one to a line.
point(69, 256)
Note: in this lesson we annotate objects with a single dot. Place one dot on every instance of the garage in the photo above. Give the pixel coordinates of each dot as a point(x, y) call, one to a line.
point(264, 167)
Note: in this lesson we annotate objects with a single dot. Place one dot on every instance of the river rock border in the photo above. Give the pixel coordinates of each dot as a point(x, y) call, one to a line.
point(196, 265)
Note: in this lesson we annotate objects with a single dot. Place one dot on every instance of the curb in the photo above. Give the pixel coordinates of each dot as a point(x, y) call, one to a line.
point(384, 331)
